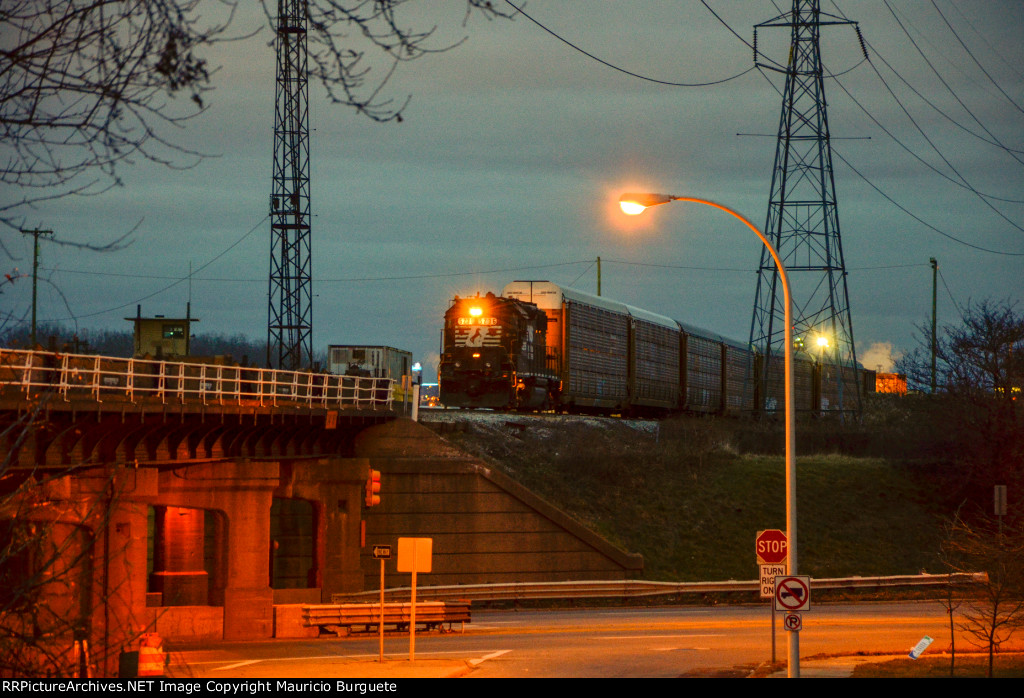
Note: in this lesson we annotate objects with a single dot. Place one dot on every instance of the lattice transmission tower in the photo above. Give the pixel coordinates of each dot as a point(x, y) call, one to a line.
point(290, 314)
point(803, 224)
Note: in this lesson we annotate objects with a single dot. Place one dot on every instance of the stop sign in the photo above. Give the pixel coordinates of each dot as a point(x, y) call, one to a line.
point(771, 547)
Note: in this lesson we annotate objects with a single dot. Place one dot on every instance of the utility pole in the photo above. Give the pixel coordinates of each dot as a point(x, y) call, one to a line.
point(35, 271)
point(935, 275)
point(290, 308)
point(803, 225)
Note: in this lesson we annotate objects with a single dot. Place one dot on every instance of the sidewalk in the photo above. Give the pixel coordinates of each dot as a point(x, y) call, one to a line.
point(834, 667)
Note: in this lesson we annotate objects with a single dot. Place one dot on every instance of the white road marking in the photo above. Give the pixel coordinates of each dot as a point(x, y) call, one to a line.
point(654, 637)
point(324, 657)
point(681, 649)
point(492, 655)
point(239, 664)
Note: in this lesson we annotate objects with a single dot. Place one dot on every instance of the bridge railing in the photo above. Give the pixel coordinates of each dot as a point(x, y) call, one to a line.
point(106, 378)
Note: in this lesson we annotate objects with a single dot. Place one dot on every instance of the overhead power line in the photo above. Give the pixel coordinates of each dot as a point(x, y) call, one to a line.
point(619, 69)
point(170, 285)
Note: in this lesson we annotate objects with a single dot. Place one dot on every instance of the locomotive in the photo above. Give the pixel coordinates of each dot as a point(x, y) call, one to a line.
point(495, 354)
point(539, 346)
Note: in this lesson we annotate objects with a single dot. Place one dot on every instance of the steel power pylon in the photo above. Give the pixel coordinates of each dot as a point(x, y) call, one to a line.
point(290, 314)
point(803, 224)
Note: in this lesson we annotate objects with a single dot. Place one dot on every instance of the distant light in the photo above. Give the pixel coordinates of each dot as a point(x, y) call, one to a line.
point(822, 341)
point(417, 366)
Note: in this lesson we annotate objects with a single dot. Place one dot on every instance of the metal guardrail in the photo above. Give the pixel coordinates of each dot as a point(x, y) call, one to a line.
point(639, 588)
point(99, 378)
point(430, 614)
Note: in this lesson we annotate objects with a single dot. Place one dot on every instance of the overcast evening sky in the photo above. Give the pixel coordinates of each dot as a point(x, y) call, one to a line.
point(513, 153)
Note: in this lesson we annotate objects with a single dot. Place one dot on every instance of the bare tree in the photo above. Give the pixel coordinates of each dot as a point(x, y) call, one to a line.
point(993, 614)
point(978, 409)
point(60, 585)
point(87, 86)
point(342, 63)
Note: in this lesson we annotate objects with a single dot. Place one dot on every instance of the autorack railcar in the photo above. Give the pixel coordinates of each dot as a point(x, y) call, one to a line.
point(602, 356)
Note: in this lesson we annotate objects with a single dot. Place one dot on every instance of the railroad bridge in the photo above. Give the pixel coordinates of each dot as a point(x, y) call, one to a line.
point(80, 409)
point(206, 500)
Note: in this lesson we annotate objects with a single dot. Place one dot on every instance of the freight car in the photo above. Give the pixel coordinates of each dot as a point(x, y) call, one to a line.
point(606, 357)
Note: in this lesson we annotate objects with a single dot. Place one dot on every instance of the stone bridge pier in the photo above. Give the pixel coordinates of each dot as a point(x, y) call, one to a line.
point(196, 550)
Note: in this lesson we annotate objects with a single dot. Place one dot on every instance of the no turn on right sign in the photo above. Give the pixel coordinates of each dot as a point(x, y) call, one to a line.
point(768, 575)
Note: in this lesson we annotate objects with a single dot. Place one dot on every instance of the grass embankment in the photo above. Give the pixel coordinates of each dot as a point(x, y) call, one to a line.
point(1005, 666)
point(691, 505)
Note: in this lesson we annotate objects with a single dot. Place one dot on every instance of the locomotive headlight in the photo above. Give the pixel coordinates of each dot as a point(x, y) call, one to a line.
point(476, 311)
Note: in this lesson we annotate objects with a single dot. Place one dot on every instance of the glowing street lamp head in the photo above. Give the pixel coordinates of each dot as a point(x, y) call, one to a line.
point(823, 341)
point(636, 203)
point(631, 208)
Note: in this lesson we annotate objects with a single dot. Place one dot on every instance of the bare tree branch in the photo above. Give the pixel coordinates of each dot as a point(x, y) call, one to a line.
point(87, 86)
point(993, 614)
point(346, 36)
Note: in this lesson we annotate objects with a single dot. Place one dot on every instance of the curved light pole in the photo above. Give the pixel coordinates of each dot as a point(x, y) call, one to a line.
point(634, 204)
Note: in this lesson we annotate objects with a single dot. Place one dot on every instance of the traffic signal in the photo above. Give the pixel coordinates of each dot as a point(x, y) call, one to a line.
point(373, 488)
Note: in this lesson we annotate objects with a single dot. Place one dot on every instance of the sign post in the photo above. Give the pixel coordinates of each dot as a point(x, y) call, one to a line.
point(772, 549)
point(793, 595)
point(382, 553)
point(414, 555)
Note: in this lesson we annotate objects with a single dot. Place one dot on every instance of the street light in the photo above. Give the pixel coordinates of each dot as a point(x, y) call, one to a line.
point(823, 346)
point(633, 204)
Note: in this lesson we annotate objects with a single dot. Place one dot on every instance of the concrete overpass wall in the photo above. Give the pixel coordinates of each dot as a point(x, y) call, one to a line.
point(486, 528)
